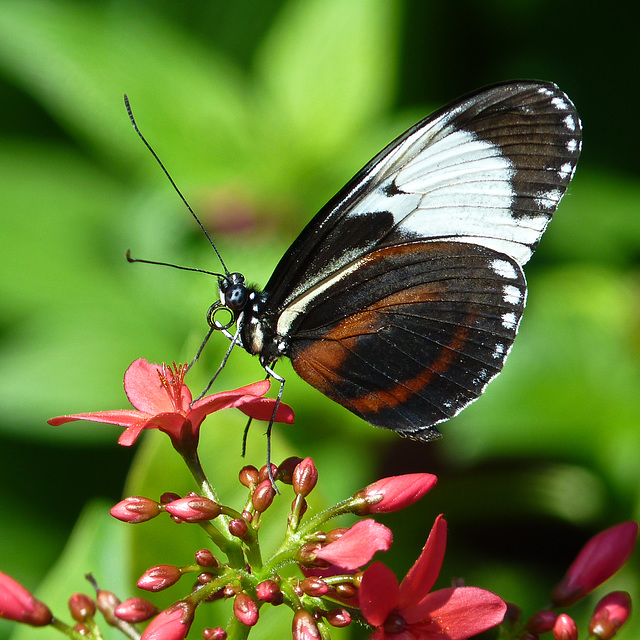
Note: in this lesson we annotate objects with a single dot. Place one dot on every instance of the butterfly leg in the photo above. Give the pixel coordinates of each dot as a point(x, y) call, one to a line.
point(234, 340)
point(272, 374)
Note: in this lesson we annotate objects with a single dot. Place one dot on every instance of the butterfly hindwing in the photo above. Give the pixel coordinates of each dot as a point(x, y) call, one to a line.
point(410, 334)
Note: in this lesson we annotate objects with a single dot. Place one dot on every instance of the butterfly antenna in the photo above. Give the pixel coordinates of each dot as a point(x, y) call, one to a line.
point(173, 184)
point(174, 266)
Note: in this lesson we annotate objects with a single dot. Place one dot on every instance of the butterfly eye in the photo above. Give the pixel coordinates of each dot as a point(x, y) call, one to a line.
point(235, 297)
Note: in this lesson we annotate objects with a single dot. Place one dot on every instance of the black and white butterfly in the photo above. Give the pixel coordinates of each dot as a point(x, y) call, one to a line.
point(401, 298)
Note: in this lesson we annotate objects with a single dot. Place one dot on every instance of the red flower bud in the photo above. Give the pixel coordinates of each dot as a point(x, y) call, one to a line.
point(285, 469)
point(314, 586)
point(610, 614)
point(107, 602)
point(135, 610)
point(307, 555)
point(269, 591)
point(302, 505)
point(168, 497)
point(345, 591)
point(215, 633)
point(513, 614)
point(170, 624)
point(205, 558)
point(245, 609)
point(334, 534)
point(305, 477)
point(135, 509)
point(263, 496)
point(81, 607)
point(304, 627)
point(338, 617)
point(394, 493)
point(597, 561)
point(248, 476)
point(565, 628)
point(357, 545)
point(238, 528)
point(17, 604)
point(159, 578)
point(542, 621)
point(263, 475)
point(194, 509)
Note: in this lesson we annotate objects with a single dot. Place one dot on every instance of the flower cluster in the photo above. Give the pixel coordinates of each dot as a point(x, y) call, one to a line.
point(338, 581)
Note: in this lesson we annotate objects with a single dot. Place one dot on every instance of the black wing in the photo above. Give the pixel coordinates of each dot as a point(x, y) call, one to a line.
point(410, 334)
point(489, 169)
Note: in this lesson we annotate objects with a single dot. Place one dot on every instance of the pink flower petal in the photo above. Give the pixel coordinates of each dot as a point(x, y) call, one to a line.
point(120, 418)
point(144, 389)
point(357, 545)
point(255, 389)
point(262, 409)
point(454, 614)
point(422, 576)
point(130, 435)
point(378, 593)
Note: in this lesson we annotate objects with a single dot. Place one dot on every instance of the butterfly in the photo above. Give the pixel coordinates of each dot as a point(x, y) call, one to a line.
point(401, 299)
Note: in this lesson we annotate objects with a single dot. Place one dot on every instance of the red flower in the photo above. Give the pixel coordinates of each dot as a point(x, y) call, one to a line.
point(597, 561)
point(409, 612)
point(17, 604)
point(357, 545)
point(394, 493)
point(163, 401)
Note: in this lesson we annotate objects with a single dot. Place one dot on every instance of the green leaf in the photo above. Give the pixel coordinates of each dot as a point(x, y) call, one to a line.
point(328, 67)
point(78, 60)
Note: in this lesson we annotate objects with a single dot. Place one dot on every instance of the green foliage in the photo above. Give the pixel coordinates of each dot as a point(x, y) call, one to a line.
point(260, 123)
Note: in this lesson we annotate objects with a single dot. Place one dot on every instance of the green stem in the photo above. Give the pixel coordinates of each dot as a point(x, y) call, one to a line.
point(236, 630)
point(289, 548)
point(71, 632)
point(222, 537)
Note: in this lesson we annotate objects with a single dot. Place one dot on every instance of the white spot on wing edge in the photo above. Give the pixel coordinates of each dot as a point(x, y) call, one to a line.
point(511, 295)
point(548, 199)
point(559, 104)
point(499, 351)
point(504, 269)
point(509, 320)
point(565, 171)
point(570, 123)
point(572, 145)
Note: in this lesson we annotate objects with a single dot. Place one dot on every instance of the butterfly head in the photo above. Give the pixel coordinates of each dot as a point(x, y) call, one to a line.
point(234, 293)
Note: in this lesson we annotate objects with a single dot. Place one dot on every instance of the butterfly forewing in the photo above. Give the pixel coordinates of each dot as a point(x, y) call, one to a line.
point(412, 334)
point(489, 169)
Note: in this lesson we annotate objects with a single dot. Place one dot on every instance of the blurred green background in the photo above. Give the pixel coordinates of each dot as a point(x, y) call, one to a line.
point(261, 111)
